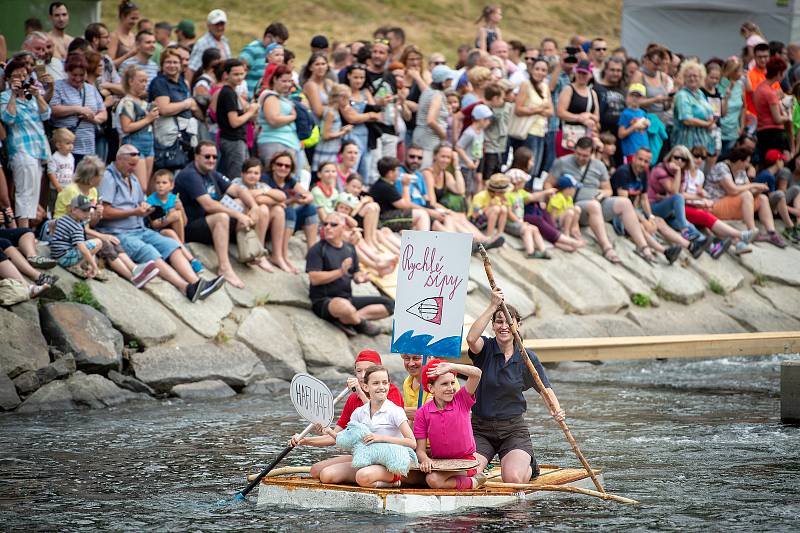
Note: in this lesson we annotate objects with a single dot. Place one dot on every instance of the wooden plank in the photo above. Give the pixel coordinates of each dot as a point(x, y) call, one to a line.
point(668, 346)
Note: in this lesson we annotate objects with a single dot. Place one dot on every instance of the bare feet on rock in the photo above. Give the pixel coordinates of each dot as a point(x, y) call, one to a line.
point(264, 265)
point(283, 265)
point(231, 277)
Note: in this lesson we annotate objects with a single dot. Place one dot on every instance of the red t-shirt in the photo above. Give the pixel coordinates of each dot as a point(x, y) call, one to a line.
point(354, 402)
point(764, 97)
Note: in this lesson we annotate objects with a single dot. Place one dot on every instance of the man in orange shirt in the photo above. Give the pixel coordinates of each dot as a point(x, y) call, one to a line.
point(756, 75)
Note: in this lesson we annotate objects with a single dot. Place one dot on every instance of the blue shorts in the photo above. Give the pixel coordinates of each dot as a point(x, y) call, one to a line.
point(73, 257)
point(147, 245)
point(300, 216)
point(144, 144)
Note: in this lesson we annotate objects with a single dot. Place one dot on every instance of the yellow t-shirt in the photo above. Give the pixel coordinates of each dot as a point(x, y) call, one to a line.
point(65, 197)
point(411, 396)
point(558, 204)
point(484, 199)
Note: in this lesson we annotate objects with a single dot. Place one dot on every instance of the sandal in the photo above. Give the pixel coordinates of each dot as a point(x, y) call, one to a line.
point(646, 254)
point(611, 256)
point(34, 291)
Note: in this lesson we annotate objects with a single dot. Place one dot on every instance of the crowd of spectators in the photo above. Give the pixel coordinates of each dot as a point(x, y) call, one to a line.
point(148, 136)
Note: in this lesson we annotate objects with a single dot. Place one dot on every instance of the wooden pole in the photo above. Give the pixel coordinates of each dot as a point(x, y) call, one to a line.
point(562, 488)
point(487, 266)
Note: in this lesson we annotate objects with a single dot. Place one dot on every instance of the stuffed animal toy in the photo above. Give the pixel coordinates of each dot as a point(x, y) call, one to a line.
point(396, 458)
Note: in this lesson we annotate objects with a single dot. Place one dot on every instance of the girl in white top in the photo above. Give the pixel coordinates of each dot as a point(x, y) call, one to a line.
point(388, 423)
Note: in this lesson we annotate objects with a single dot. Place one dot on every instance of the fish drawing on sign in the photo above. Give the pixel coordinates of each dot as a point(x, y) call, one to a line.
point(429, 309)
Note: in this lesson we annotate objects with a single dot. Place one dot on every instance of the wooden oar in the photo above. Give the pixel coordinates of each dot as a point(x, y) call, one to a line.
point(487, 266)
point(256, 480)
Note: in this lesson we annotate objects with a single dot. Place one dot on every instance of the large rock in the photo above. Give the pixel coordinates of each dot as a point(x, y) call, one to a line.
point(62, 367)
point(205, 254)
point(786, 299)
point(520, 296)
point(574, 326)
point(275, 288)
point(773, 263)
point(27, 382)
point(85, 332)
point(164, 367)
point(202, 316)
point(210, 388)
point(96, 392)
point(269, 333)
point(725, 271)
point(27, 311)
point(149, 324)
point(323, 344)
point(578, 286)
point(9, 399)
point(673, 282)
point(267, 387)
point(755, 314)
point(23, 346)
point(627, 280)
point(698, 318)
point(55, 396)
point(130, 383)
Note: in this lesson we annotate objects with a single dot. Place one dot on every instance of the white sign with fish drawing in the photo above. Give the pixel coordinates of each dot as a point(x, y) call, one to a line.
point(431, 292)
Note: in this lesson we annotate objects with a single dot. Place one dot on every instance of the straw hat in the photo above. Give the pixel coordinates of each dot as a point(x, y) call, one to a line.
point(498, 183)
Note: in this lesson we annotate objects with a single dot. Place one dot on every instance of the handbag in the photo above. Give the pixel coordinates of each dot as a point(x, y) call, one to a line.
point(570, 133)
point(172, 157)
point(248, 245)
point(519, 126)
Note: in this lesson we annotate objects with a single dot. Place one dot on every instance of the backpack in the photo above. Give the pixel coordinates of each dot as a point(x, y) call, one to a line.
point(304, 123)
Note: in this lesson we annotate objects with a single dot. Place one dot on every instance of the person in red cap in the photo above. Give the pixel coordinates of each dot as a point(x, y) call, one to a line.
point(364, 360)
point(774, 161)
point(445, 424)
point(411, 385)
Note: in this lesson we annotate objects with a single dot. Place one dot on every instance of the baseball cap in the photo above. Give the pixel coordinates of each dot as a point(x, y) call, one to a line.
point(82, 202)
point(319, 41)
point(441, 73)
point(583, 66)
point(216, 16)
point(565, 182)
point(481, 111)
point(774, 155)
point(637, 88)
point(186, 27)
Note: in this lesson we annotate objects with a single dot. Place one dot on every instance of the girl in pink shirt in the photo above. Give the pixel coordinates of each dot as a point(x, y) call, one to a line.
point(445, 423)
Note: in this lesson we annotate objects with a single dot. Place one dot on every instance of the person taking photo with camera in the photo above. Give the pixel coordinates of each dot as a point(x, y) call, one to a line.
point(23, 110)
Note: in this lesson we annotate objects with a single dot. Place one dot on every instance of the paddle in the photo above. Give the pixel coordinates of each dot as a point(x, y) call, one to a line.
point(487, 266)
point(250, 486)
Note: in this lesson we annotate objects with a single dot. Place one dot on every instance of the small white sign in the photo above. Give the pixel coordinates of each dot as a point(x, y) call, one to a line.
point(312, 399)
point(431, 293)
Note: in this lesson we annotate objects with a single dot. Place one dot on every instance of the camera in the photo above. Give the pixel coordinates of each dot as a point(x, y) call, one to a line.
point(26, 88)
point(572, 54)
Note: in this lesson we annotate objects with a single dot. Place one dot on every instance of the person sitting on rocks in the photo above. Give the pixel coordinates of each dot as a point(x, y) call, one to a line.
point(734, 197)
point(382, 261)
point(209, 199)
point(398, 212)
point(15, 245)
point(631, 181)
point(595, 199)
point(124, 211)
point(332, 264)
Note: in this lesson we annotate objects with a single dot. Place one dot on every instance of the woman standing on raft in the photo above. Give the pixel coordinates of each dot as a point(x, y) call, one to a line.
point(498, 422)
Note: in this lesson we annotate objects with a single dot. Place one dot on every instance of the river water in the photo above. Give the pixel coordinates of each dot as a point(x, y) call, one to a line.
point(698, 442)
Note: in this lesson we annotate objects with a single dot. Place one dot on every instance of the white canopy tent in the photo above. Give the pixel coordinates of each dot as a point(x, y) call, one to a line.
point(705, 27)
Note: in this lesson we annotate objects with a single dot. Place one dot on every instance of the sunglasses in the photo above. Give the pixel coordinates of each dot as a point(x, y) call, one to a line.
point(381, 41)
point(132, 154)
point(282, 165)
point(600, 49)
point(414, 157)
point(331, 224)
point(680, 158)
point(531, 59)
point(209, 156)
point(437, 63)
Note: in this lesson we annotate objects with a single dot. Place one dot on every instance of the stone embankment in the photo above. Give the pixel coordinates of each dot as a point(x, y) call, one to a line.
point(143, 344)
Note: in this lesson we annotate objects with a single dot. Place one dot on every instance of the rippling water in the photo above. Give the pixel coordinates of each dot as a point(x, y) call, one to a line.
point(699, 443)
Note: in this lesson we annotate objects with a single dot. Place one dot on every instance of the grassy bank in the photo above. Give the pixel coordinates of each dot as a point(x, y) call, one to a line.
point(434, 25)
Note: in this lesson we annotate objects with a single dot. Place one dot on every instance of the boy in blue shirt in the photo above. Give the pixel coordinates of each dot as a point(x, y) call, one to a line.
point(775, 161)
point(633, 123)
